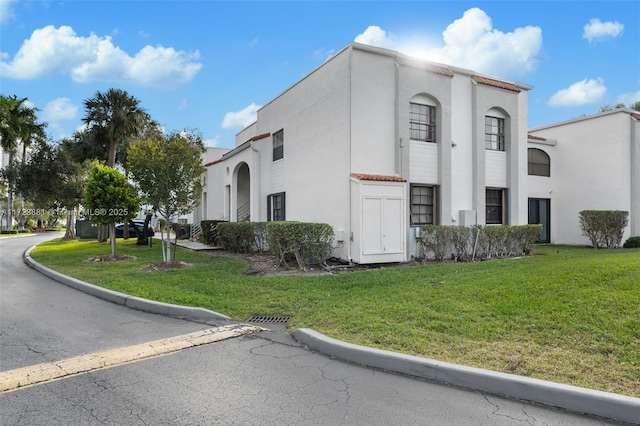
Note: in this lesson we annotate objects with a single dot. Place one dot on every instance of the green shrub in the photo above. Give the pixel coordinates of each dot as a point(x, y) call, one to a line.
point(306, 242)
point(632, 242)
point(238, 237)
point(464, 243)
point(434, 239)
point(604, 228)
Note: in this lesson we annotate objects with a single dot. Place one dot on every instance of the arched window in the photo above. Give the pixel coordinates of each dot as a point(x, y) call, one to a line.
point(539, 163)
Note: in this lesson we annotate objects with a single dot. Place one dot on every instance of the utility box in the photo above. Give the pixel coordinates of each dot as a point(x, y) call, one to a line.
point(86, 229)
point(468, 218)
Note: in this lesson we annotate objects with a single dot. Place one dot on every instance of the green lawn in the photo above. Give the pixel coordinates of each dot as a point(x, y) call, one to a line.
point(566, 314)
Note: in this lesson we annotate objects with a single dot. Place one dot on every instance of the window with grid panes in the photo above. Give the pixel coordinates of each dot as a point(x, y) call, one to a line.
point(422, 122)
point(495, 202)
point(423, 205)
point(278, 145)
point(276, 207)
point(494, 133)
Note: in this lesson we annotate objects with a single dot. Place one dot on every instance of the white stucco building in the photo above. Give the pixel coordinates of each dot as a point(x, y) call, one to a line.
point(589, 163)
point(376, 143)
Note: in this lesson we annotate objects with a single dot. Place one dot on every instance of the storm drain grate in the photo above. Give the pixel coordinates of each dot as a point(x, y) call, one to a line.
point(268, 320)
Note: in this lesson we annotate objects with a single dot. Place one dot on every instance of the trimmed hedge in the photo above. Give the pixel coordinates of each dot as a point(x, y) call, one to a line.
point(632, 242)
point(306, 242)
point(604, 228)
point(462, 243)
point(238, 237)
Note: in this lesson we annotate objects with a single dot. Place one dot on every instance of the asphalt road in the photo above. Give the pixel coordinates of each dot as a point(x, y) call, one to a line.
point(264, 378)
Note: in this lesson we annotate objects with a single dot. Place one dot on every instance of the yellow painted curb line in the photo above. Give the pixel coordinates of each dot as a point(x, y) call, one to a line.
point(46, 372)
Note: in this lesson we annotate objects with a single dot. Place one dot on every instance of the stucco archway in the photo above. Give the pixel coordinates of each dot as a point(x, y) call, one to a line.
point(241, 201)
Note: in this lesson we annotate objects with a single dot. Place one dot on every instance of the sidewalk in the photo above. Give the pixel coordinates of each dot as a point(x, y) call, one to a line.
point(195, 245)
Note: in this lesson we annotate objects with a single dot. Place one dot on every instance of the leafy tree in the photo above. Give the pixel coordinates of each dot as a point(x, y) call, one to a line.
point(51, 179)
point(110, 198)
point(167, 170)
point(18, 125)
point(605, 108)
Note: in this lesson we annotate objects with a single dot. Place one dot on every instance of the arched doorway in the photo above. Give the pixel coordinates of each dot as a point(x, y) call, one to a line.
point(242, 193)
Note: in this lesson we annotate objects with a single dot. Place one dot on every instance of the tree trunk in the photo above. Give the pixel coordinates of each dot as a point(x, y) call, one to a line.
point(103, 233)
point(70, 232)
point(112, 235)
point(10, 199)
point(168, 243)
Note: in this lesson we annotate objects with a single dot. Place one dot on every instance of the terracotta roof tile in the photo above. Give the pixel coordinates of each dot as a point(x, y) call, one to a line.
point(636, 116)
point(538, 138)
point(379, 178)
point(258, 137)
point(496, 83)
point(211, 163)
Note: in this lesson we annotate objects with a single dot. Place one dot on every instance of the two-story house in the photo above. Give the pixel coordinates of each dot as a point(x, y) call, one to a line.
point(376, 143)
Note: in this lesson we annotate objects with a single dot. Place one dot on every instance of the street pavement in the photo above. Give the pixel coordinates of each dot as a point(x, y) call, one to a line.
point(255, 378)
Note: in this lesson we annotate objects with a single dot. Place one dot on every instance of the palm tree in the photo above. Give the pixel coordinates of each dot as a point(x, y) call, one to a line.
point(112, 119)
point(18, 125)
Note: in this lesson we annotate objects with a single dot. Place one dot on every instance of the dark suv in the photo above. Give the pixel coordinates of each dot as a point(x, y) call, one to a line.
point(132, 232)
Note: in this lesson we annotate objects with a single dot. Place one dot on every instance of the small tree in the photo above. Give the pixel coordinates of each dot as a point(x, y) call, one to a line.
point(110, 198)
point(167, 170)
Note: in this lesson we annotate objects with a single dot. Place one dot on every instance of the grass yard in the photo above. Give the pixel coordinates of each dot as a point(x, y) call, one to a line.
point(566, 314)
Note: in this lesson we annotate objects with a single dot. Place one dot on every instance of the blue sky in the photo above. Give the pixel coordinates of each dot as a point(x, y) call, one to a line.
point(208, 65)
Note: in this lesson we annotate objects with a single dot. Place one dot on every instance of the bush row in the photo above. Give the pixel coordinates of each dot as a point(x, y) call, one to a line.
point(604, 228)
point(462, 244)
point(304, 242)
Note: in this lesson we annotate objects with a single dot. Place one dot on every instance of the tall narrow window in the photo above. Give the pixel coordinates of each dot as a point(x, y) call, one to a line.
point(539, 163)
point(278, 145)
point(423, 205)
point(494, 133)
point(276, 207)
point(496, 206)
point(422, 122)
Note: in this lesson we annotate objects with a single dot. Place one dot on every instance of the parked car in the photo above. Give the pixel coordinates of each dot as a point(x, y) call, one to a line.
point(132, 232)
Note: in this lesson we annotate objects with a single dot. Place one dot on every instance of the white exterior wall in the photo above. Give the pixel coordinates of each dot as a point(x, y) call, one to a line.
point(590, 170)
point(513, 108)
point(351, 116)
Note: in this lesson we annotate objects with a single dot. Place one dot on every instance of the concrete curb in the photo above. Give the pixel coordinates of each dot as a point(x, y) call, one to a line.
point(582, 400)
point(177, 311)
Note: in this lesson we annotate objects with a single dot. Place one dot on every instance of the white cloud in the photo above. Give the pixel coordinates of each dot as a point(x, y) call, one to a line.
point(6, 10)
point(52, 51)
point(60, 109)
point(212, 143)
point(324, 54)
point(628, 98)
point(587, 91)
point(472, 42)
point(376, 36)
point(242, 118)
point(597, 30)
